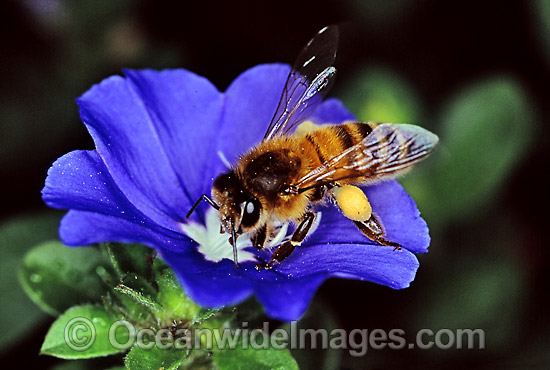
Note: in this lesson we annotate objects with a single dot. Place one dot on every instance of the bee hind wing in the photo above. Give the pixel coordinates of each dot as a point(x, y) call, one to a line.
point(387, 151)
point(392, 148)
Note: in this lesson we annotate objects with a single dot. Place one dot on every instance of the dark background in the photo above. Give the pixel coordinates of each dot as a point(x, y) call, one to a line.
point(474, 72)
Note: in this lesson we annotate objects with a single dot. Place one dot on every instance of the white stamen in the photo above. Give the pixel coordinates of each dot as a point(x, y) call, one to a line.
point(213, 245)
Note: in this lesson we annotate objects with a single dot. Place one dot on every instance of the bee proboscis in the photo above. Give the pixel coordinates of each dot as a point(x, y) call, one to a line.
point(280, 179)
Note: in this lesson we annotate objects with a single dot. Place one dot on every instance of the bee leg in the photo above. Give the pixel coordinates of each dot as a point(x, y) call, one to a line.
point(373, 229)
point(285, 249)
point(318, 194)
point(258, 239)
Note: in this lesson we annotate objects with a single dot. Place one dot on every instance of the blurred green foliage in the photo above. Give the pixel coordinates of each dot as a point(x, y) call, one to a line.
point(485, 131)
point(382, 13)
point(381, 95)
point(17, 236)
point(541, 11)
point(485, 293)
point(91, 39)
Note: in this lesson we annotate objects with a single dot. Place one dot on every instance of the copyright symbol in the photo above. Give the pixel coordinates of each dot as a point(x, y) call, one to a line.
point(79, 334)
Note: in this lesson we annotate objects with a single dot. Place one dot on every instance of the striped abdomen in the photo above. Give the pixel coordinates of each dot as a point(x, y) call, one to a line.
point(328, 141)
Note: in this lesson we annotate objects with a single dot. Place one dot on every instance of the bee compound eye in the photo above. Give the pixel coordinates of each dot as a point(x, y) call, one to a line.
point(251, 213)
point(249, 207)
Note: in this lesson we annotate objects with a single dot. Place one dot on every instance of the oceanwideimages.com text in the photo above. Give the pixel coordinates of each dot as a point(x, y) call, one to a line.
point(80, 334)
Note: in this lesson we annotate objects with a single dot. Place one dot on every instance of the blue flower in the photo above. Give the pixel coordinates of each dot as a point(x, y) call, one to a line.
point(161, 138)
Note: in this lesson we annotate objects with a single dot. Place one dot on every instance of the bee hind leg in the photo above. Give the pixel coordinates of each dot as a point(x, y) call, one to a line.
point(373, 229)
point(285, 249)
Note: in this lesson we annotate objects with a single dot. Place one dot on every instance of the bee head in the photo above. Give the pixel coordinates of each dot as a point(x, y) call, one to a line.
point(239, 210)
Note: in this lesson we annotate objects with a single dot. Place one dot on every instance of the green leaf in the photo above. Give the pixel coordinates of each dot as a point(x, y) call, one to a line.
point(381, 95)
point(250, 358)
point(487, 131)
point(57, 277)
point(85, 332)
point(17, 236)
point(155, 358)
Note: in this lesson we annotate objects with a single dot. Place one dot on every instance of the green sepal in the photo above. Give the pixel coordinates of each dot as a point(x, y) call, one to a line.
point(129, 258)
point(127, 306)
point(141, 294)
point(172, 299)
point(84, 332)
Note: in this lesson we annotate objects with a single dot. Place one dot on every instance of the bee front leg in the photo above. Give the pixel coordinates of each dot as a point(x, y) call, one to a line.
point(285, 249)
point(373, 229)
point(258, 239)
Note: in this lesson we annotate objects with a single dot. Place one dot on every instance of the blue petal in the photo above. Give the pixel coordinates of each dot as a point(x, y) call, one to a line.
point(186, 111)
point(83, 228)
point(129, 140)
point(331, 111)
point(288, 299)
point(286, 291)
point(396, 210)
point(379, 264)
point(400, 216)
point(80, 181)
point(250, 103)
point(212, 285)
point(217, 285)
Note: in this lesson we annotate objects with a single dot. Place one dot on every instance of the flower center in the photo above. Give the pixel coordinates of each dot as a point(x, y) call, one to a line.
point(214, 246)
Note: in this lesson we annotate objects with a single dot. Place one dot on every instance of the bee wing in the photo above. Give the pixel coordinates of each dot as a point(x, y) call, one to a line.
point(310, 78)
point(387, 151)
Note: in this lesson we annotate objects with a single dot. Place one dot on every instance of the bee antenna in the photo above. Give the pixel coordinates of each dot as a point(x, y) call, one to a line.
point(234, 243)
point(201, 198)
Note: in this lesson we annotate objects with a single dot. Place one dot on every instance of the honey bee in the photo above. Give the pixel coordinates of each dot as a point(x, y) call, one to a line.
point(288, 172)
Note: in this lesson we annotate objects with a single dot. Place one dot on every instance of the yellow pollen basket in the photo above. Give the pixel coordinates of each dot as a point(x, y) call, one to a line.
point(353, 202)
